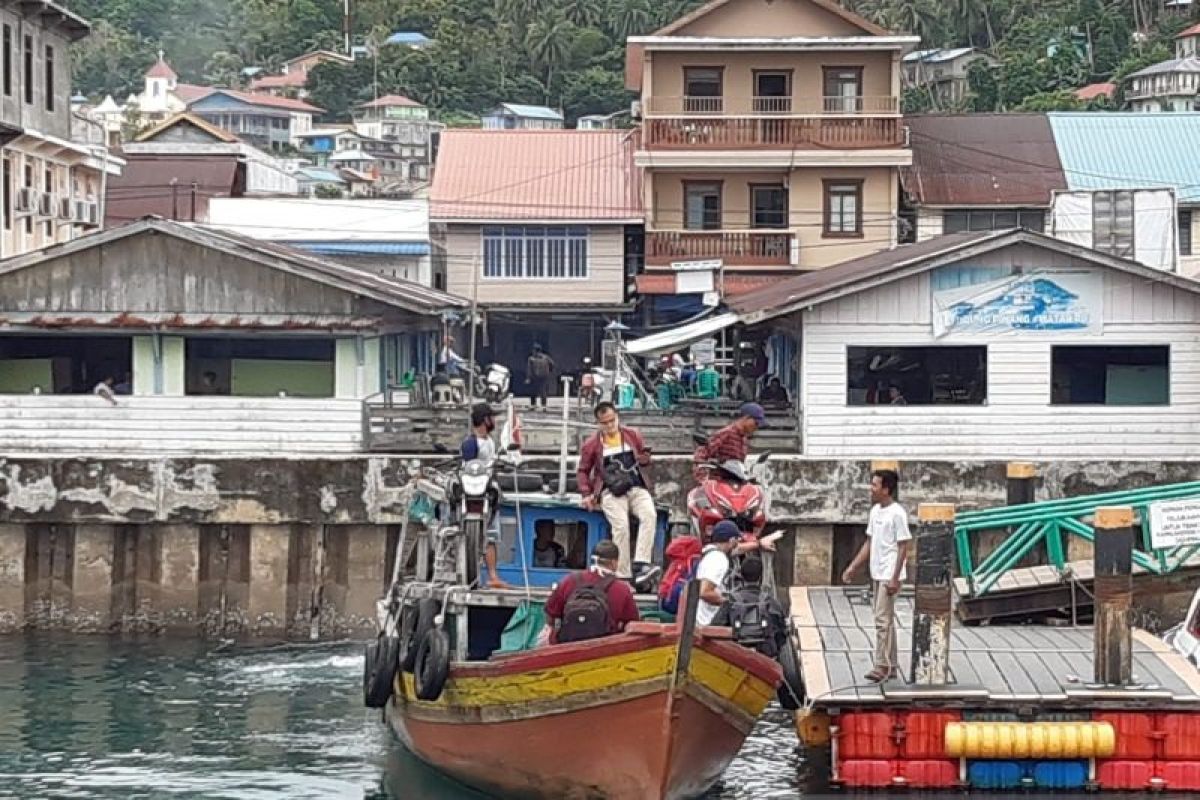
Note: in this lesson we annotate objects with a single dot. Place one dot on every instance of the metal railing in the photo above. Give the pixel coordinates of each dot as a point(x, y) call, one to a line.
point(1053, 522)
point(762, 105)
point(740, 248)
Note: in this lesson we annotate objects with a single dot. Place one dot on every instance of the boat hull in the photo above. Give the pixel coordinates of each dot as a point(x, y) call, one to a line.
point(613, 718)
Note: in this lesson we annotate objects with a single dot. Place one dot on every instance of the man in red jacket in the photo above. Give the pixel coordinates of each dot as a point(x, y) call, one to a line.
point(613, 477)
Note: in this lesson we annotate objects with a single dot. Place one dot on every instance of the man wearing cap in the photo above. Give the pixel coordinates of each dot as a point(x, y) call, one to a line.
point(732, 442)
point(479, 446)
point(713, 570)
point(622, 607)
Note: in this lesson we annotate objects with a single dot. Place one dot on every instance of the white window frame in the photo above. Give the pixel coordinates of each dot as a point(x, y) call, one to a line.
point(534, 252)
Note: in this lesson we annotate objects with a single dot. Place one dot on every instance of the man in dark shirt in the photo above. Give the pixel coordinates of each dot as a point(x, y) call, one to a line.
point(622, 609)
point(752, 594)
point(732, 442)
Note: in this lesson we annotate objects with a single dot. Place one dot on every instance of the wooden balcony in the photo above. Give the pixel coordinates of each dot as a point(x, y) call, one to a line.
point(779, 133)
point(748, 106)
point(736, 248)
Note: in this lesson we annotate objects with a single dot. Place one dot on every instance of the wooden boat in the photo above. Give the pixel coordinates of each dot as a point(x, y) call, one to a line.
point(655, 713)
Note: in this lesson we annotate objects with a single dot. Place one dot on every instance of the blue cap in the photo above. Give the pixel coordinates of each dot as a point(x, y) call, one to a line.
point(755, 412)
point(725, 530)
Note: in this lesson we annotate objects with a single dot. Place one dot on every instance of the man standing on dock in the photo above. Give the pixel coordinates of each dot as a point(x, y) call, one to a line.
point(887, 550)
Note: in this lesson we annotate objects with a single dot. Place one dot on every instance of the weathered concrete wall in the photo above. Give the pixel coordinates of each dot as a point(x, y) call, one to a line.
point(297, 547)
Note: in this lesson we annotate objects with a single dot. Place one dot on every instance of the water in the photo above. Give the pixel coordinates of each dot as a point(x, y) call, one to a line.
point(90, 717)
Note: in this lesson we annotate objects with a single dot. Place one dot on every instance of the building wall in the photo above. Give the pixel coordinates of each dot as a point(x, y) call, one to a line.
point(1018, 421)
point(13, 108)
point(1190, 265)
point(21, 232)
point(929, 223)
point(805, 198)
point(605, 282)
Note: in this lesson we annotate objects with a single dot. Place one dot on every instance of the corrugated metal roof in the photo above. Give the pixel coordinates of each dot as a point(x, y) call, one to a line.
point(265, 100)
point(144, 186)
point(1094, 90)
point(389, 100)
point(1192, 31)
point(408, 37)
point(531, 112)
point(982, 159)
point(364, 248)
point(1189, 64)
point(937, 55)
point(536, 175)
point(1121, 149)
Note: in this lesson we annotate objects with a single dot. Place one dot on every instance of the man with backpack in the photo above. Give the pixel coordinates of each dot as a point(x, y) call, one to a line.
point(591, 604)
point(539, 368)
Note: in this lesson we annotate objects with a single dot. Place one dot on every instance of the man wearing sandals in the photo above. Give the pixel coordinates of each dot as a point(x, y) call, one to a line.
point(887, 550)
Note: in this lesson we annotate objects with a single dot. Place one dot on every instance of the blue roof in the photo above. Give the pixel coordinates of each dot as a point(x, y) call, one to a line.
point(531, 112)
point(1116, 150)
point(408, 37)
point(319, 174)
point(364, 248)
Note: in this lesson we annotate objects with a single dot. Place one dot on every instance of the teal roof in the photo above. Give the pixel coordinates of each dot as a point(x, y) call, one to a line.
point(1119, 149)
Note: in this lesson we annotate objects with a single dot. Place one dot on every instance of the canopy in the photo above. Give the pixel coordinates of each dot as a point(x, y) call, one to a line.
point(680, 337)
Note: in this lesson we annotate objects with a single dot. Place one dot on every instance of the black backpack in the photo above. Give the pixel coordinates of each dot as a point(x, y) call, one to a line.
point(586, 614)
point(750, 618)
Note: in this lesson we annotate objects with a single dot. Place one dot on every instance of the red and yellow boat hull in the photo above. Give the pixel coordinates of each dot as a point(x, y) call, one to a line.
point(625, 717)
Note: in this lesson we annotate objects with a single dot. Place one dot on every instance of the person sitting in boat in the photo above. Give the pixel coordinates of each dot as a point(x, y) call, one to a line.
point(547, 552)
point(713, 570)
point(613, 477)
point(591, 604)
point(479, 446)
point(756, 616)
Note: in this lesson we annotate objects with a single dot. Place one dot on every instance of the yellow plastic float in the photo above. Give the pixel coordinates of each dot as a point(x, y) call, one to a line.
point(1030, 740)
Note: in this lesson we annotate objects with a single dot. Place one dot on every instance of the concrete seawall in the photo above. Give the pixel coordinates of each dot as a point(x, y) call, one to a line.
point(299, 547)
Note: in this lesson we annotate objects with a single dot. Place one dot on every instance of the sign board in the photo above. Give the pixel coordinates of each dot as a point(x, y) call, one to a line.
point(1175, 522)
point(697, 266)
point(695, 282)
point(1042, 304)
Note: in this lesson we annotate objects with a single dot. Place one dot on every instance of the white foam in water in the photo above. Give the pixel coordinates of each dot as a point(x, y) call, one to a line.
point(333, 662)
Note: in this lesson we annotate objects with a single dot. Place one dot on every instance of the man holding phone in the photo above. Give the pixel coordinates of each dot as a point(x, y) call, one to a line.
point(613, 477)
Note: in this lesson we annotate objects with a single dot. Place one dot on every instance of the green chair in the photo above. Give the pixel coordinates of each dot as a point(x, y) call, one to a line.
point(708, 384)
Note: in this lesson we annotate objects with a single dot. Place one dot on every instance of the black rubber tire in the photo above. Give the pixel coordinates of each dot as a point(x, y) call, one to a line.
point(379, 671)
point(791, 691)
point(473, 540)
point(422, 615)
point(433, 665)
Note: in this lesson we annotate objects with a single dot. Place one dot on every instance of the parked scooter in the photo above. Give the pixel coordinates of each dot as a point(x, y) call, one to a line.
point(730, 491)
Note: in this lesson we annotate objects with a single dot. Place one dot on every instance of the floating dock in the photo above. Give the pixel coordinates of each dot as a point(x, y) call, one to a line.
point(1048, 707)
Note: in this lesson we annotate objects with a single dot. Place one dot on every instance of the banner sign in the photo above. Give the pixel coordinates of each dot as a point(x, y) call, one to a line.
point(1036, 303)
point(1175, 522)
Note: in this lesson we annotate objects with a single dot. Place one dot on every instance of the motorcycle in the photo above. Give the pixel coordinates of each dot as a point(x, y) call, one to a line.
point(492, 384)
point(730, 491)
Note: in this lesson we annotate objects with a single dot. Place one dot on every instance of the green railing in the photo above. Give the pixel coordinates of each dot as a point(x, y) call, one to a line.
point(1052, 522)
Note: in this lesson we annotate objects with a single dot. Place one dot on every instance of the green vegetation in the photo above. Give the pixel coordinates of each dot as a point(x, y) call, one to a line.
point(570, 53)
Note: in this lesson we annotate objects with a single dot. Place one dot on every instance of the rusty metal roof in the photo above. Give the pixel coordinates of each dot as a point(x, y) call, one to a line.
point(813, 288)
point(144, 187)
point(982, 159)
point(558, 175)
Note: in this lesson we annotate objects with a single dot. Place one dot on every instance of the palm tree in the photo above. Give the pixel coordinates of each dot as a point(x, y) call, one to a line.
point(549, 43)
point(584, 13)
point(630, 17)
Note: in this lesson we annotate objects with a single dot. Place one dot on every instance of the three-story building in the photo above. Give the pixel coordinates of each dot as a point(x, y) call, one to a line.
point(50, 186)
point(771, 142)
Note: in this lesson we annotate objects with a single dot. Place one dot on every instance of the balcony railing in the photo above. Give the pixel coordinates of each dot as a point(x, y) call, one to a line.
point(734, 133)
point(737, 248)
point(747, 106)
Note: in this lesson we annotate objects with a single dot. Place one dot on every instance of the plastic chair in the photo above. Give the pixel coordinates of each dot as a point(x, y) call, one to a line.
point(626, 396)
point(708, 384)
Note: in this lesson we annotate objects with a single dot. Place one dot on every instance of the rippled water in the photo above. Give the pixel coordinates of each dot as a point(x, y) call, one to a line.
point(111, 718)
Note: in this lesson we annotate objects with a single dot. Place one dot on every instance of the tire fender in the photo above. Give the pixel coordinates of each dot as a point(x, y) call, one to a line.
point(433, 664)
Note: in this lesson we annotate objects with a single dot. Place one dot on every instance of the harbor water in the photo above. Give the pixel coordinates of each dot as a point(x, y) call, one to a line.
point(94, 717)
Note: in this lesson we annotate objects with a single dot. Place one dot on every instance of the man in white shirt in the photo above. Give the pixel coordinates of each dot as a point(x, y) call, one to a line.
point(713, 570)
point(887, 550)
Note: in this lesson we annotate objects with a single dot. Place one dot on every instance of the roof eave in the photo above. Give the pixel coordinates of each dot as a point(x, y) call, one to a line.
point(774, 43)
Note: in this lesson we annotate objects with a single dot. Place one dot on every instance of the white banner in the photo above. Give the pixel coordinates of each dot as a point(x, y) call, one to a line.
point(1175, 522)
point(1036, 303)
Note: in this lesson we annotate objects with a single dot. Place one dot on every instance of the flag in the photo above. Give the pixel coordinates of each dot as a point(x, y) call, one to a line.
point(510, 433)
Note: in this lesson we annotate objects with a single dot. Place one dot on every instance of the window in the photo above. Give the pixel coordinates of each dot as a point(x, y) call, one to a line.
point(8, 47)
point(49, 78)
point(1185, 233)
point(28, 185)
point(28, 69)
point(772, 92)
point(6, 204)
point(535, 252)
point(843, 90)
point(702, 89)
point(988, 219)
point(843, 208)
point(702, 206)
point(770, 205)
point(1112, 223)
point(916, 376)
point(1110, 376)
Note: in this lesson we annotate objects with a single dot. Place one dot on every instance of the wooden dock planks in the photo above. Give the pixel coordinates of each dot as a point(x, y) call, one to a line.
point(1028, 664)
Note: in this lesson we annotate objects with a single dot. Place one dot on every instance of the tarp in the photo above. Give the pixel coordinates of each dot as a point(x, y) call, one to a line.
point(680, 337)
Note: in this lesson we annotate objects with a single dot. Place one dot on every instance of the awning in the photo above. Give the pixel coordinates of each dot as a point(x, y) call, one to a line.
point(364, 248)
point(677, 338)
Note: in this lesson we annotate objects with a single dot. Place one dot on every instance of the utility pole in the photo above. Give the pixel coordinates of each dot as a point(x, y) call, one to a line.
point(346, 25)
